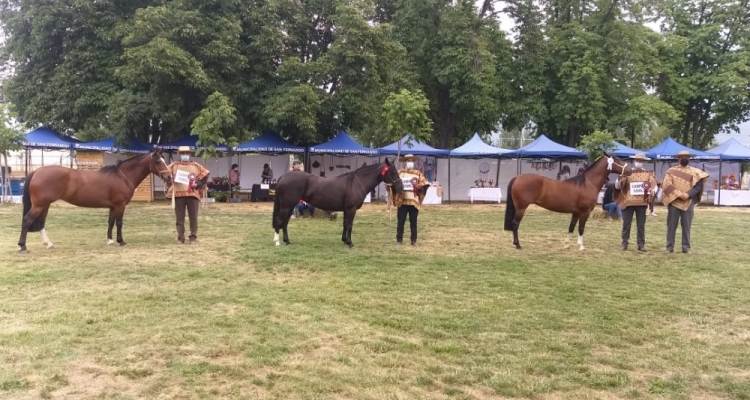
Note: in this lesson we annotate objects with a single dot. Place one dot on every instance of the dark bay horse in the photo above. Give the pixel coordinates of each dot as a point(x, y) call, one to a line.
point(344, 193)
point(109, 187)
point(576, 195)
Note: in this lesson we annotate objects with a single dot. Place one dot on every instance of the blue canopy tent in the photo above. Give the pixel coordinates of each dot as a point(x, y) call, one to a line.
point(623, 151)
point(731, 150)
point(45, 138)
point(414, 147)
point(133, 146)
point(268, 143)
point(190, 141)
point(343, 144)
point(667, 150)
point(476, 148)
point(544, 147)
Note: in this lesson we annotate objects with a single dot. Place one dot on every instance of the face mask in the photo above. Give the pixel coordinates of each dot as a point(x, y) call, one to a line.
point(684, 162)
point(410, 165)
point(638, 164)
point(185, 158)
point(236, 169)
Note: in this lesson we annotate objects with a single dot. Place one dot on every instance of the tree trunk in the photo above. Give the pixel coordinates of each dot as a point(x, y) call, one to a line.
point(446, 126)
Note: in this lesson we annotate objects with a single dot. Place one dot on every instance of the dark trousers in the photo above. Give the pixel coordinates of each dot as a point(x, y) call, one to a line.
point(685, 219)
point(413, 213)
point(180, 204)
point(640, 221)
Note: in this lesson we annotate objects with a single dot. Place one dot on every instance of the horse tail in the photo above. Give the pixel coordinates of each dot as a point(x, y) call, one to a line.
point(38, 223)
point(510, 208)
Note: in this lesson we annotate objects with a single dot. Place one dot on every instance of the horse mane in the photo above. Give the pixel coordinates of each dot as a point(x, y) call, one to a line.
point(580, 180)
point(109, 169)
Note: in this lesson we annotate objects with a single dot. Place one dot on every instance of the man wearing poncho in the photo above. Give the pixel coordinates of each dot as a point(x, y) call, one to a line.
point(634, 193)
point(681, 190)
point(409, 202)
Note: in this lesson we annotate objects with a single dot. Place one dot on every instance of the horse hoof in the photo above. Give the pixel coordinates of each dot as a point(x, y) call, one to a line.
point(110, 242)
point(23, 251)
point(50, 246)
point(581, 248)
point(278, 244)
point(122, 243)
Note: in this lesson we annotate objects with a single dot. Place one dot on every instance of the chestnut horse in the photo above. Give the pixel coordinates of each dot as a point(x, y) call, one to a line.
point(576, 195)
point(109, 187)
point(345, 193)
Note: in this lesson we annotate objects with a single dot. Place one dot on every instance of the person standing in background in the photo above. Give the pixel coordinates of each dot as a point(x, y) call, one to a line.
point(234, 175)
point(267, 174)
point(682, 189)
point(633, 194)
point(408, 202)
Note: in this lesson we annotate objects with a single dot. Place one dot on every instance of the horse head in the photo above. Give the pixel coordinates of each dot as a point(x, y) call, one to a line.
point(158, 167)
point(615, 164)
point(389, 175)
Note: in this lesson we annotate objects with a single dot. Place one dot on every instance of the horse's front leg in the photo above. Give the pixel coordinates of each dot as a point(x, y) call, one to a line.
point(118, 221)
point(571, 228)
point(581, 227)
point(110, 225)
point(349, 226)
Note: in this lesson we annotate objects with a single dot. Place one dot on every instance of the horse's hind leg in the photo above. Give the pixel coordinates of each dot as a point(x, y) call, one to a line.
point(571, 228)
point(26, 223)
point(286, 223)
point(43, 231)
point(349, 218)
point(516, 223)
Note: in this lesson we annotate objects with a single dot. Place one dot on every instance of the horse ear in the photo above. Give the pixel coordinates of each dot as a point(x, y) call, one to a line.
point(387, 162)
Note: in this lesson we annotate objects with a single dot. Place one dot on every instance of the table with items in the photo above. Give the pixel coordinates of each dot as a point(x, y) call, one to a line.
point(263, 192)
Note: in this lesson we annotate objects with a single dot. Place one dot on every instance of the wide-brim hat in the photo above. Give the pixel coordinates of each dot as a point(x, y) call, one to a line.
point(684, 153)
point(640, 156)
point(409, 157)
point(184, 149)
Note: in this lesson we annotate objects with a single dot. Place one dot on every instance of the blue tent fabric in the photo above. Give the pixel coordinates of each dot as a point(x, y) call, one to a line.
point(623, 151)
point(342, 143)
point(46, 138)
point(134, 146)
point(190, 141)
point(268, 142)
point(477, 148)
point(543, 147)
point(668, 149)
point(731, 150)
point(415, 147)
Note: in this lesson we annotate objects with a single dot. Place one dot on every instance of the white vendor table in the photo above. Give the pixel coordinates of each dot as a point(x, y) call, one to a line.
point(732, 198)
point(485, 194)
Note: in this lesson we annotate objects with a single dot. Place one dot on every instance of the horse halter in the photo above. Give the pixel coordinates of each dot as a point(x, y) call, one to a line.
point(384, 172)
point(611, 162)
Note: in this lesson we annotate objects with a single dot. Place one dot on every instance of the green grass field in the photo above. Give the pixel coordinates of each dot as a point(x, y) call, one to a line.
point(463, 316)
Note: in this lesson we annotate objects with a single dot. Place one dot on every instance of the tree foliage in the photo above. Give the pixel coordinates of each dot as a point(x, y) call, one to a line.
point(211, 122)
point(146, 68)
point(596, 143)
point(405, 114)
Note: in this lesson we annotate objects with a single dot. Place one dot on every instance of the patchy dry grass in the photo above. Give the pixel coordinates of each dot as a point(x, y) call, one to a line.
point(462, 316)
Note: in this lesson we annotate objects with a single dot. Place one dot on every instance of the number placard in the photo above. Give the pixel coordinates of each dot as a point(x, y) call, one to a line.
point(182, 177)
point(636, 189)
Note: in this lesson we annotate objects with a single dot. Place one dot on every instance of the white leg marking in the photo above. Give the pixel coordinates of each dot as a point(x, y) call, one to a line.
point(110, 241)
point(580, 242)
point(276, 238)
point(45, 239)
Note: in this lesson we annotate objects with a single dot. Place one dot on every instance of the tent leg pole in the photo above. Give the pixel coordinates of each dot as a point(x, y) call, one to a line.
point(449, 181)
point(718, 201)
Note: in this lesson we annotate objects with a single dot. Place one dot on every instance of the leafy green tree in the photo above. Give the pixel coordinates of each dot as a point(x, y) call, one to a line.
point(11, 136)
point(405, 113)
point(218, 115)
point(597, 142)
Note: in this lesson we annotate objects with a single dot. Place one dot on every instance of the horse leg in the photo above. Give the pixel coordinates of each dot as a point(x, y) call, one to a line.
point(573, 222)
point(110, 225)
point(581, 227)
point(43, 232)
point(26, 223)
point(349, 224)
point(343, 229)
point(516, 223)
point(118, 221)
point(286, 223)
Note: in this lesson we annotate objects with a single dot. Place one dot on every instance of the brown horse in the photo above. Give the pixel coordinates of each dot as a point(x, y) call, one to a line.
point(110, 187)
point(576, 195)
point(345, 193)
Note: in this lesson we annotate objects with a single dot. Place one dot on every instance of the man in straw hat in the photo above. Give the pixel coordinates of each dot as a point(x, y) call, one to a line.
point(635, 192)
point(681, 190)
point(189, 180)
point(408, 202)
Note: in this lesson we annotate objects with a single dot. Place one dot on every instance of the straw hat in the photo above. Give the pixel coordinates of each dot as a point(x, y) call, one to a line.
point(640, 156)
point(684, 153)
point(409, 157)
point(184, 149)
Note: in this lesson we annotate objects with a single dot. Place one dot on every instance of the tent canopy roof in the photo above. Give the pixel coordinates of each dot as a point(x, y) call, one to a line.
point(269, 143)
point(189, 141)
point(477, 148)
point(342, 143)
point(414, 147)
point(46, 138)
point(668, 149)
point(543, 147)
point(134, 146)
point(731, 150)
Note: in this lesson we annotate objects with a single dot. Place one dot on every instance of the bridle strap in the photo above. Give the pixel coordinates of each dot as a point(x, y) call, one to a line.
point(130, 184)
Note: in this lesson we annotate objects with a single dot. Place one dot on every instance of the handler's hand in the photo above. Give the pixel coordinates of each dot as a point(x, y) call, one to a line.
point(684, 196)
